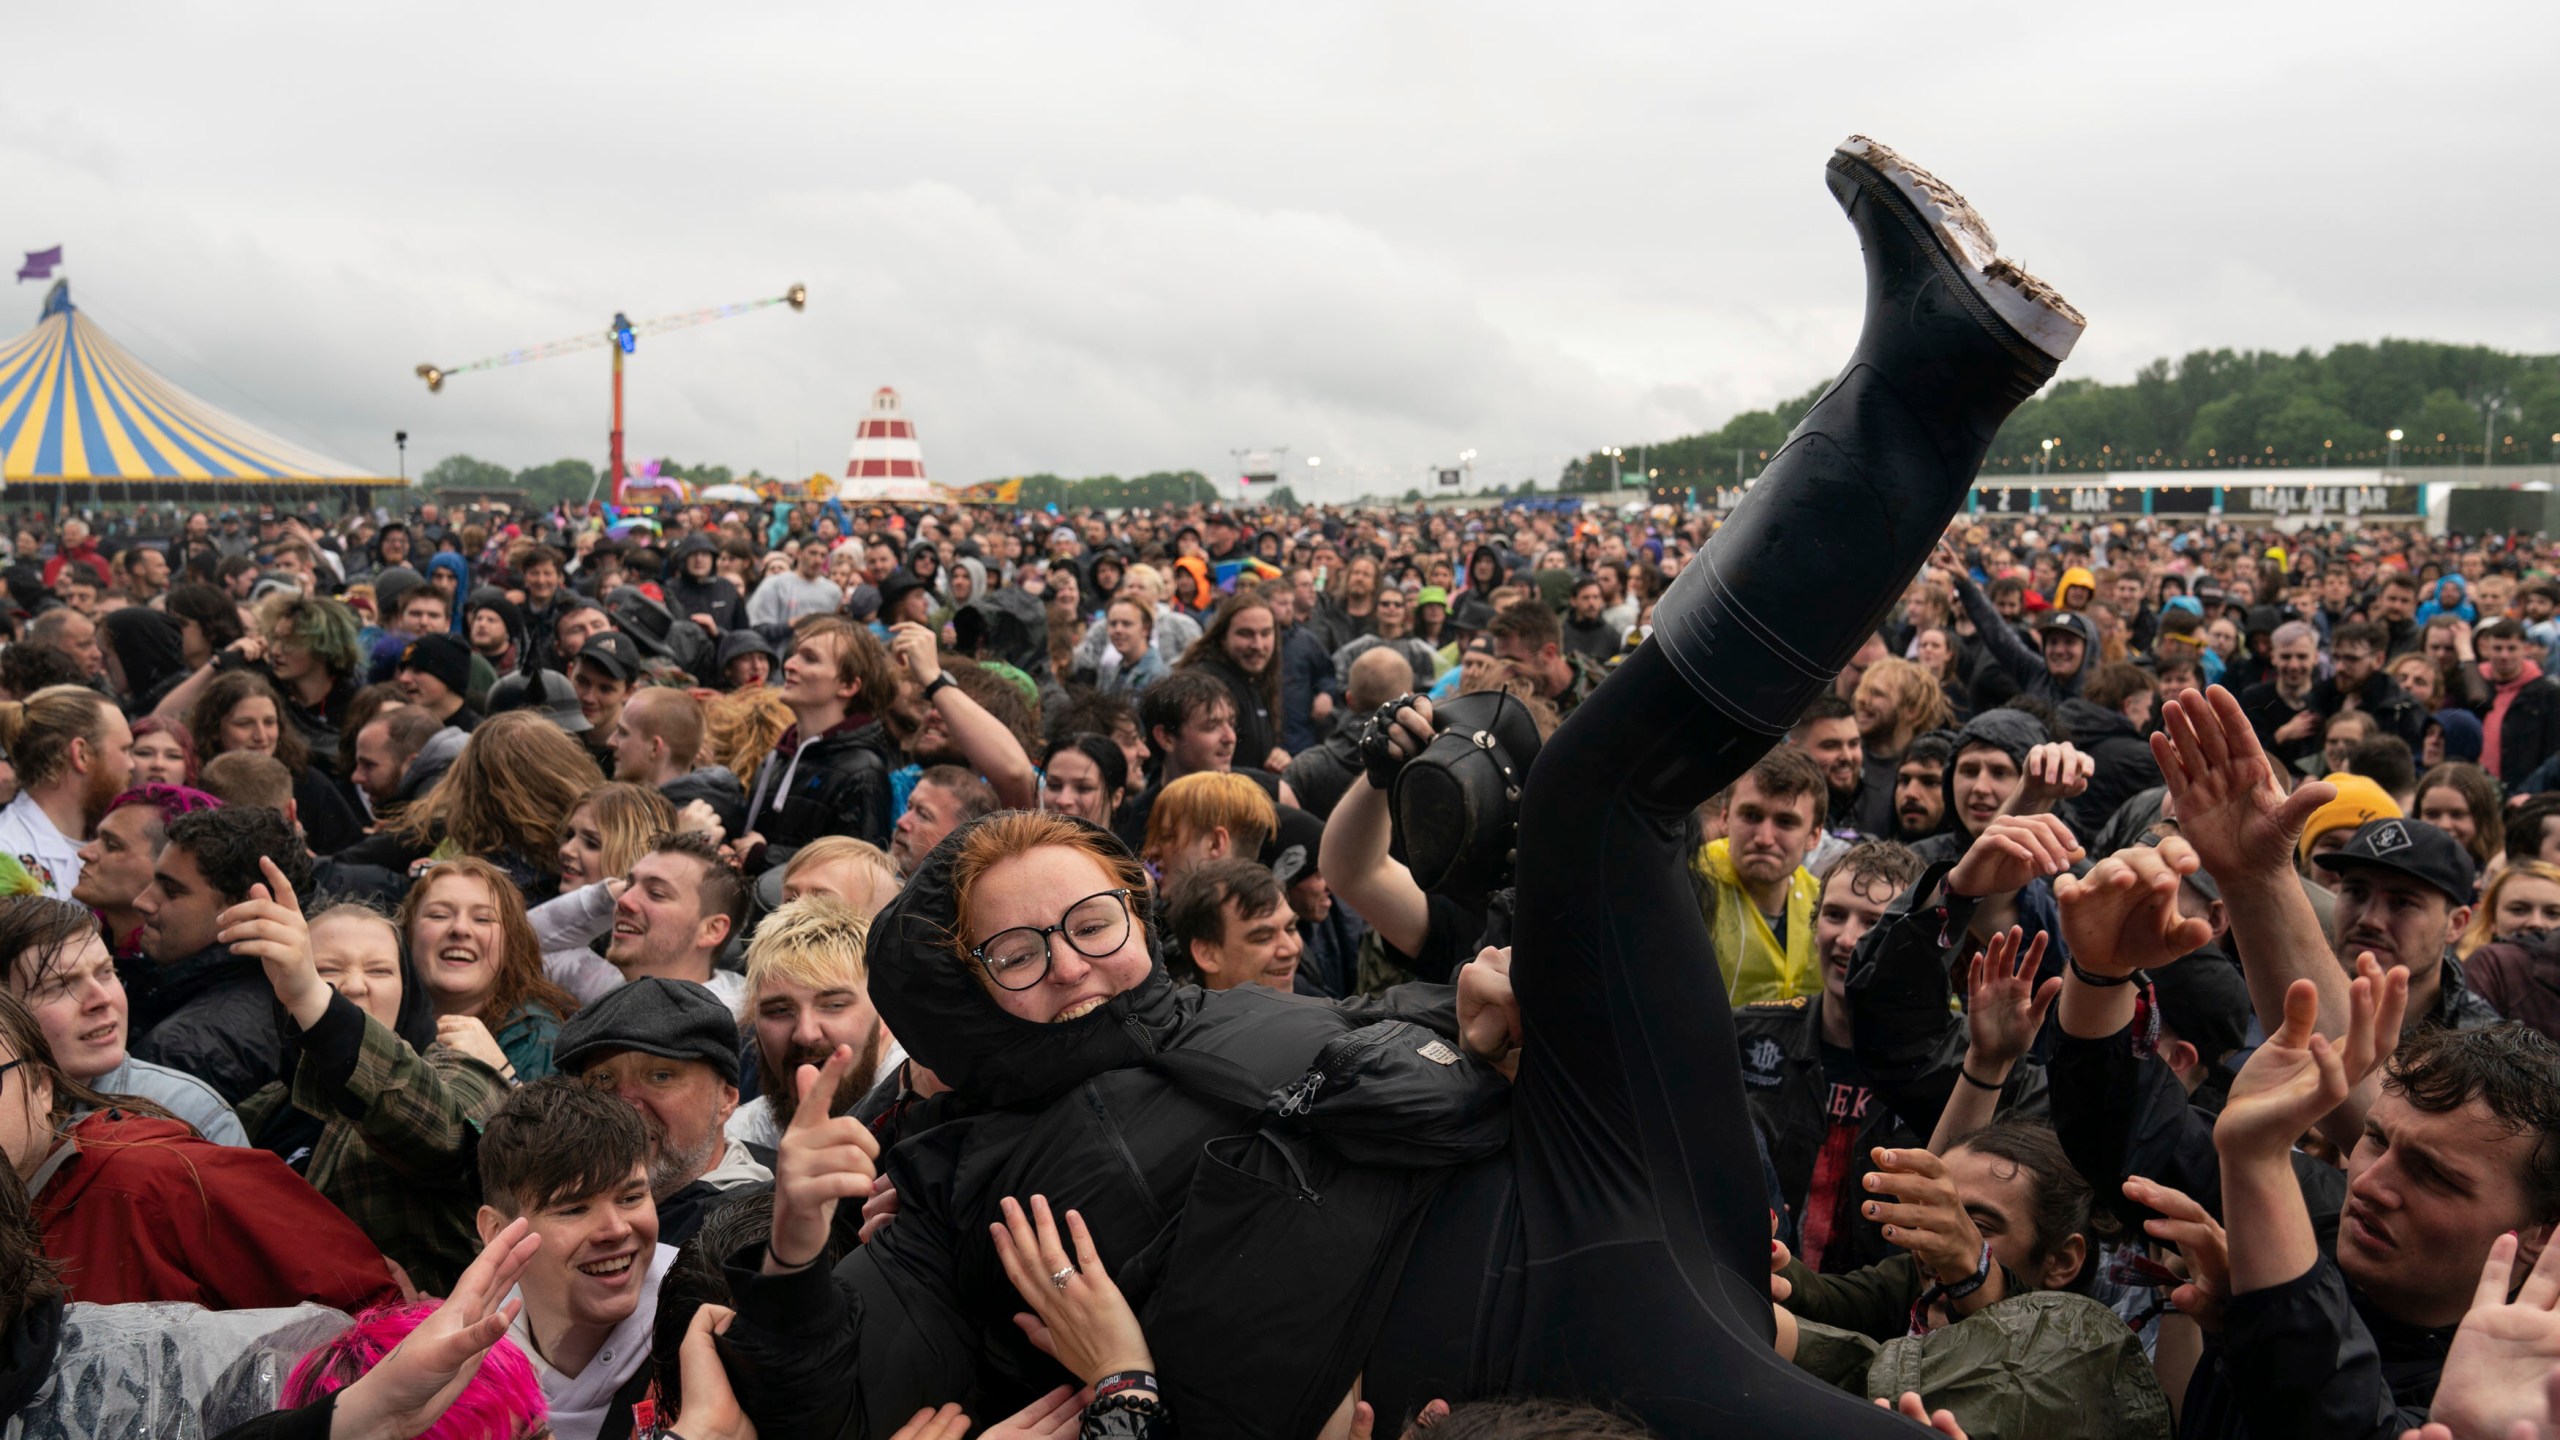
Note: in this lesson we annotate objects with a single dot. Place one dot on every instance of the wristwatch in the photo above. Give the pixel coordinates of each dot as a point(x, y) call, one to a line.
point(938, 683)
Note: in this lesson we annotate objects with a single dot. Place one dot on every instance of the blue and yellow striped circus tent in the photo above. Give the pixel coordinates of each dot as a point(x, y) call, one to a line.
point(76, 408)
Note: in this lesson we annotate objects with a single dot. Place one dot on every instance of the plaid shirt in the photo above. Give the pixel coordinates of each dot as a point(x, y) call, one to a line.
point(401, 1136)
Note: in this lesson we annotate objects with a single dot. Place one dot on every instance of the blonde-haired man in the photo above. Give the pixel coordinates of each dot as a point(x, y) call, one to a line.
point(807, 993)
point(1213, 815)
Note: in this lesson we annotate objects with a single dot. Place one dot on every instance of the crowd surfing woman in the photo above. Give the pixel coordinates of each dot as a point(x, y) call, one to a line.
point(1616, 1244)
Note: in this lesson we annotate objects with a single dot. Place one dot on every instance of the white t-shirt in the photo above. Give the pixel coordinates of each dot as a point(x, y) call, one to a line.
point(27, 835)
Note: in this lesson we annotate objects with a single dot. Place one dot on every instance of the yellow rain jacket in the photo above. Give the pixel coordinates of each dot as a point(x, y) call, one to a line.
point(1757, 969)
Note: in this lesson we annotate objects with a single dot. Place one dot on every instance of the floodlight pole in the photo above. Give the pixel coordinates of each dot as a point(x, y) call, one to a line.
point(622, 330)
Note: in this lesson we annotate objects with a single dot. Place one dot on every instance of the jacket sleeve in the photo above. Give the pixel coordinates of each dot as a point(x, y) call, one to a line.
point(854, 1354)
point(2024, 665)
point(1901, 1025)
point(2299, 1362)
point(268, 1240)
point(867, 800)
point(1874, 1301)
point(420, 1115)
point(2119, 1114)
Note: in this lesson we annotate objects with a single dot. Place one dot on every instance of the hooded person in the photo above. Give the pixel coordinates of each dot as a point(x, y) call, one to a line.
point(446, 562)
point(1616, 1242)
point(698, 591)
point(145, 652)
point(2451, 597)
point(2012, 733)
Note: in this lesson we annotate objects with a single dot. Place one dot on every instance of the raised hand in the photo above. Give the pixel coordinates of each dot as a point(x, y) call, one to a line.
point(1923, 1213)
point(2499, 1375)
point(2011, 851)
point(2123, 915)
point(426, 1372)
point(2375, 1008)
point(2199, 1238)
point(914, 648)
point(2004, 1007)
point(710, 1406)
point(1086, 1323)
point(2057, 770)
point(2294, 1079)
point(2227, 797)
point(269, 925)
point(823, 1159)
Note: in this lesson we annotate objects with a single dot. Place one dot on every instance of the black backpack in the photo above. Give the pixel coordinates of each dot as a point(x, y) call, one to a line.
point(660, 633)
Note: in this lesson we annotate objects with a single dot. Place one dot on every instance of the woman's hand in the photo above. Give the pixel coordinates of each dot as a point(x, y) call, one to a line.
point(269, 925)
point(1058, 1415)
point(414, 1384)
point(1082, 1320)
point(710, 1405)
point(2123, 915)
point(465, 1034)
point(1923, 1213)
point(823, 1159)
point(1488, 1013)
point(2200, 1241)
point(2004, 1006)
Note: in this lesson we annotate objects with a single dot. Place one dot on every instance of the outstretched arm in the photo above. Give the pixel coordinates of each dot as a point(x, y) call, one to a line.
point(1355, 862)
point(979, 735)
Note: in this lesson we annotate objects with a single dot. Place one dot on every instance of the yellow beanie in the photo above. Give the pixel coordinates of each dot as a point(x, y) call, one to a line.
point(2359, 800)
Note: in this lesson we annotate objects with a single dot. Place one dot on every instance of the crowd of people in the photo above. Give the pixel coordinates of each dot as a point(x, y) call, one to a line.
point(842, 969)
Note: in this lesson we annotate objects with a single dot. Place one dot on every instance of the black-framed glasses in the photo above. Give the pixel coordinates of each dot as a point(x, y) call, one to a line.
point(11, 1065)
point(1095, 926)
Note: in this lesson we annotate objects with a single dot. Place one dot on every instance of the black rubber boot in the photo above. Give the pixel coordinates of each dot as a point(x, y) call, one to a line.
point(1845, 514)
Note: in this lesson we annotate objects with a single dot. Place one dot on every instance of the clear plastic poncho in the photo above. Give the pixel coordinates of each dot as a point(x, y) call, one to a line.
point(167, 1370)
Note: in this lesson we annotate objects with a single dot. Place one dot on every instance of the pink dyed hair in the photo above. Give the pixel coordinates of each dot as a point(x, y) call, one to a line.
point(502, 1402)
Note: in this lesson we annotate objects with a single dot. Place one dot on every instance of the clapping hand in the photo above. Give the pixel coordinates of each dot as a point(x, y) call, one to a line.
point(2227, 797)
point(2004, 1007)
point(269, 925)
point(1079, 1317)
point(823, 1159)
point(2123, 915)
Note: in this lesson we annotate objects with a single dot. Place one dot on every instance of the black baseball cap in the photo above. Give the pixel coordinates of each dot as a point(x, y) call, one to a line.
point(2412, 847)
point(612, 651)
point(2070, 622)
point(676, 1019)
point(2204, 999)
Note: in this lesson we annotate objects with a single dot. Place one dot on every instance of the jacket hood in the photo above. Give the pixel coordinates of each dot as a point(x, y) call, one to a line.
point(696, 543)
point(938, 1008)
point(2463, 735)
point(2088, 720)
point(461, 568)
point(2076, 575)
point(735, 643)
point(148, 645)
point(977, 569)
point(2013, 732)
point(432, 760)
point(1476, 559)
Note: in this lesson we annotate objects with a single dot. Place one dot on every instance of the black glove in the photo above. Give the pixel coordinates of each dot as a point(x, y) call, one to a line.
point(1376, 759)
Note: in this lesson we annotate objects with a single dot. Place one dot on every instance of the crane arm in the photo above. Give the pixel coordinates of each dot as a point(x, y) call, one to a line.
point(797, 297)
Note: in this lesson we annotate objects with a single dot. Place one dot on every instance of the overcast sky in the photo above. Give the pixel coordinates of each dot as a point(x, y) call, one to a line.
point(1124, 237)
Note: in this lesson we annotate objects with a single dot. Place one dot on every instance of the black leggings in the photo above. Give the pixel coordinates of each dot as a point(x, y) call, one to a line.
point(1619, 1251)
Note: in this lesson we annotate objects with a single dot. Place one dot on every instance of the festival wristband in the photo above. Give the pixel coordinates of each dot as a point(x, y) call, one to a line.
point(1968, 1076)
point(1980, 1277)
point(2099, 982)
point(1119, 1381)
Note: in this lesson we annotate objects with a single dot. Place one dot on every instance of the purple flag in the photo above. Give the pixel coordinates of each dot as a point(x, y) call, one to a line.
point(40, 264)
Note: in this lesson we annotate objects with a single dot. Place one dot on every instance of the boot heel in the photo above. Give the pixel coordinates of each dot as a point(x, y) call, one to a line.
point(2031, 310)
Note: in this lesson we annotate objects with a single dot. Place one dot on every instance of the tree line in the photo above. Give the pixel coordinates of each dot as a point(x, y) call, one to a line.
point(2213, 409)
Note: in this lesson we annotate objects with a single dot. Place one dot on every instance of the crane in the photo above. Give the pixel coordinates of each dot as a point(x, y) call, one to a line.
point(624, 337)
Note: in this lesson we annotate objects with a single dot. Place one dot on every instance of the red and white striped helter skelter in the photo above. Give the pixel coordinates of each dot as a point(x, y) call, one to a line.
point(887, 462)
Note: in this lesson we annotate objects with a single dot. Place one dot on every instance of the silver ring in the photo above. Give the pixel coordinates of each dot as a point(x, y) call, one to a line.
point(1062, 1275)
